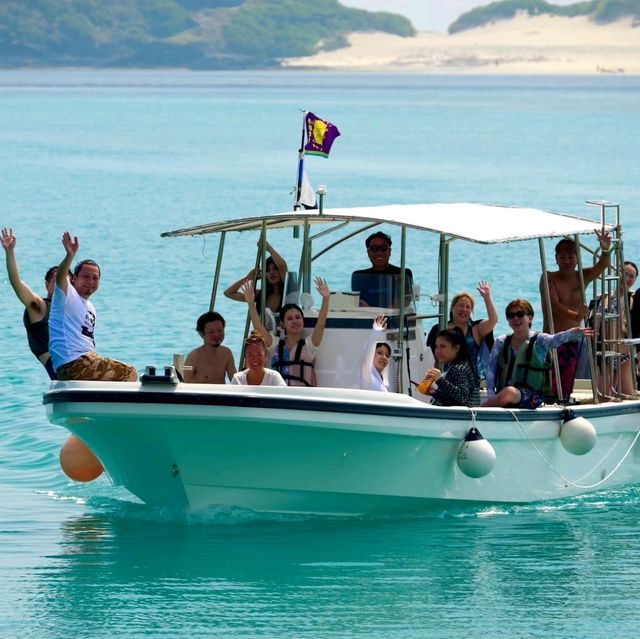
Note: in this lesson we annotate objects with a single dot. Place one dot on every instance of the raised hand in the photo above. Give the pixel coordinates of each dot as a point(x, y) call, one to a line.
point(484, 289)
point(266, 244)
point(248, 291)
point(322, 287)
point(380, 322)
point(71, 245)
point(8, 239)
point(604, 238)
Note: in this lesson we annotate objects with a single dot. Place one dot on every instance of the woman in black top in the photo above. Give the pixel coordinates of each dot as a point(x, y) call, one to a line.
point(460, 384)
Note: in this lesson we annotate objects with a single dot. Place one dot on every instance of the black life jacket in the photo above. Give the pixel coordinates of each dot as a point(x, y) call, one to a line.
point(296, 371)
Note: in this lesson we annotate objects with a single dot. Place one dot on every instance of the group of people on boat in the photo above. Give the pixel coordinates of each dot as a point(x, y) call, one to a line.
point(60, 329)
point(292, 356)
point(518, 370)
point(269, 361)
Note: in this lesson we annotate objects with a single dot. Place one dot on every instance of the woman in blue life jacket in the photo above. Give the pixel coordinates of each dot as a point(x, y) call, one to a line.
point(459, 385)
point(519, 367)
point(477, 333)
point(294, 355)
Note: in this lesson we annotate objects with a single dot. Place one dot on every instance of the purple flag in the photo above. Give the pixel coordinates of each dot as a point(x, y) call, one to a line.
point(320, 135)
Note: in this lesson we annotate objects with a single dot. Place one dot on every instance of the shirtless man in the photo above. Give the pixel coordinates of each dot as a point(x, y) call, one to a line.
point(568, 309)
point(211, 361)
point(36, 308)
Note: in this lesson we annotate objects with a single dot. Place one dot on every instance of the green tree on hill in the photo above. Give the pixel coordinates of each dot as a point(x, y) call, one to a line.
point(193, 33)
point(611, 10)
point(601, 11)
point(279, 28)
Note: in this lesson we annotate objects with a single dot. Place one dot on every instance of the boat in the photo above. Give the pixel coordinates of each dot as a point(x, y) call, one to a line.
point(338, 450)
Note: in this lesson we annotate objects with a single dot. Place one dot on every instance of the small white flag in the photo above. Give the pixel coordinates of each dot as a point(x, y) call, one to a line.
point(307, 196)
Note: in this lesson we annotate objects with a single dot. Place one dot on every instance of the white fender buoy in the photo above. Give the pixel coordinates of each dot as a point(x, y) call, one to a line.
point(476, 456)
point(78, 461)
point(578, 435)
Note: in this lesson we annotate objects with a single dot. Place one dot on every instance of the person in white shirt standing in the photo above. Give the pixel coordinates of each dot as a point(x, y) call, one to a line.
point(72, 323)
point(374, 359)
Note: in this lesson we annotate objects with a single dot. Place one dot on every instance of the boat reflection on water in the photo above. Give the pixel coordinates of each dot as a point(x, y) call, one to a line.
point(135, 568)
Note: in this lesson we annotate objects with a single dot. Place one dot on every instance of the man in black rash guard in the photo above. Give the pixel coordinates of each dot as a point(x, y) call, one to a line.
point(36, 308)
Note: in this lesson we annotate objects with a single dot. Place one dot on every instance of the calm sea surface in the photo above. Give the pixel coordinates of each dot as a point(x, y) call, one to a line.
point(118, 158)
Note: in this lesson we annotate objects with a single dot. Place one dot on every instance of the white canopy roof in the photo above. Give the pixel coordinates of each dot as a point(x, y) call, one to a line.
point(473, 222)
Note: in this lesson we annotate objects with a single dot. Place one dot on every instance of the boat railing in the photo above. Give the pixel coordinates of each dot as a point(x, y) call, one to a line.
point(611, 317)
point(335, 228)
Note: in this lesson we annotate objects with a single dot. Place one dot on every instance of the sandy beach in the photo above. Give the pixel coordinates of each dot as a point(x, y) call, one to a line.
point(539, 45)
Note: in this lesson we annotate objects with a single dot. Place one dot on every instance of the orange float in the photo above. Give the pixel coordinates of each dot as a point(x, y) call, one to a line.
point(78, 462)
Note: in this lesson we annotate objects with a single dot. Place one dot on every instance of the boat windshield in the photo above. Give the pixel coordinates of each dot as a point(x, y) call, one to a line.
point(382, 290)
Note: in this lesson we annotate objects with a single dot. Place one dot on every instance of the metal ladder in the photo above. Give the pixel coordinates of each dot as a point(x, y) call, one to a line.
point(611, 323)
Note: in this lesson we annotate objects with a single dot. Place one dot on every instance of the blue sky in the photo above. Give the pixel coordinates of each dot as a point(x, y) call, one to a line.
point(427, 15)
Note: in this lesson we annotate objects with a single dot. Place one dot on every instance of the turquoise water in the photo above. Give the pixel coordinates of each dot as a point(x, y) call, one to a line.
point(118, 158)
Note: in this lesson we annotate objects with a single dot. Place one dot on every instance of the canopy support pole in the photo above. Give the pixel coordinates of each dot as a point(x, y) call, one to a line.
point(402, 304)
point(216, 276)
point(547, 304)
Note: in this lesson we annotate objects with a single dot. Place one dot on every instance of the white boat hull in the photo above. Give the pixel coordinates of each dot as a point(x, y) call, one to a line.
point(331, 451)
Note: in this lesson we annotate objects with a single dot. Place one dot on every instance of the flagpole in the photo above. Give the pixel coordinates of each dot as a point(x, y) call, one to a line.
point(297, 206)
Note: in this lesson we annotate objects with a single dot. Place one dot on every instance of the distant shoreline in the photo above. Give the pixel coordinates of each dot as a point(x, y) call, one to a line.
point(524, 45)
point(186, 71)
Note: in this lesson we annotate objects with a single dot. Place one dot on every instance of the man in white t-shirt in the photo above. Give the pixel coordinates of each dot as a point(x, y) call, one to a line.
point(72, 323)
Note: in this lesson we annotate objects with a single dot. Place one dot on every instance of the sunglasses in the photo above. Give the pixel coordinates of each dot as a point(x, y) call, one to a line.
point(379, 248)
point(254, 340)
point(514, 314)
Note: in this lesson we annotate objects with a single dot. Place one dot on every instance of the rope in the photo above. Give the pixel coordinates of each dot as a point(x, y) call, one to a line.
point(569, 481)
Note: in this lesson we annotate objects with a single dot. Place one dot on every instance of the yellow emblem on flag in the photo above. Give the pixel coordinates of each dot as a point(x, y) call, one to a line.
point(319, 131)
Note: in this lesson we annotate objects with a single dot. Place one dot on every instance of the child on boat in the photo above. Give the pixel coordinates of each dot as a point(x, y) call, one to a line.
point(374, 370)
point(294, 355)
point(459, 384)
point(209, 363)
point(519, 368)
point(255, 359)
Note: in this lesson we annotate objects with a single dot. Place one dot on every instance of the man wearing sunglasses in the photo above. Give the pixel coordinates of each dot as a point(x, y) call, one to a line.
point(379, 285)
